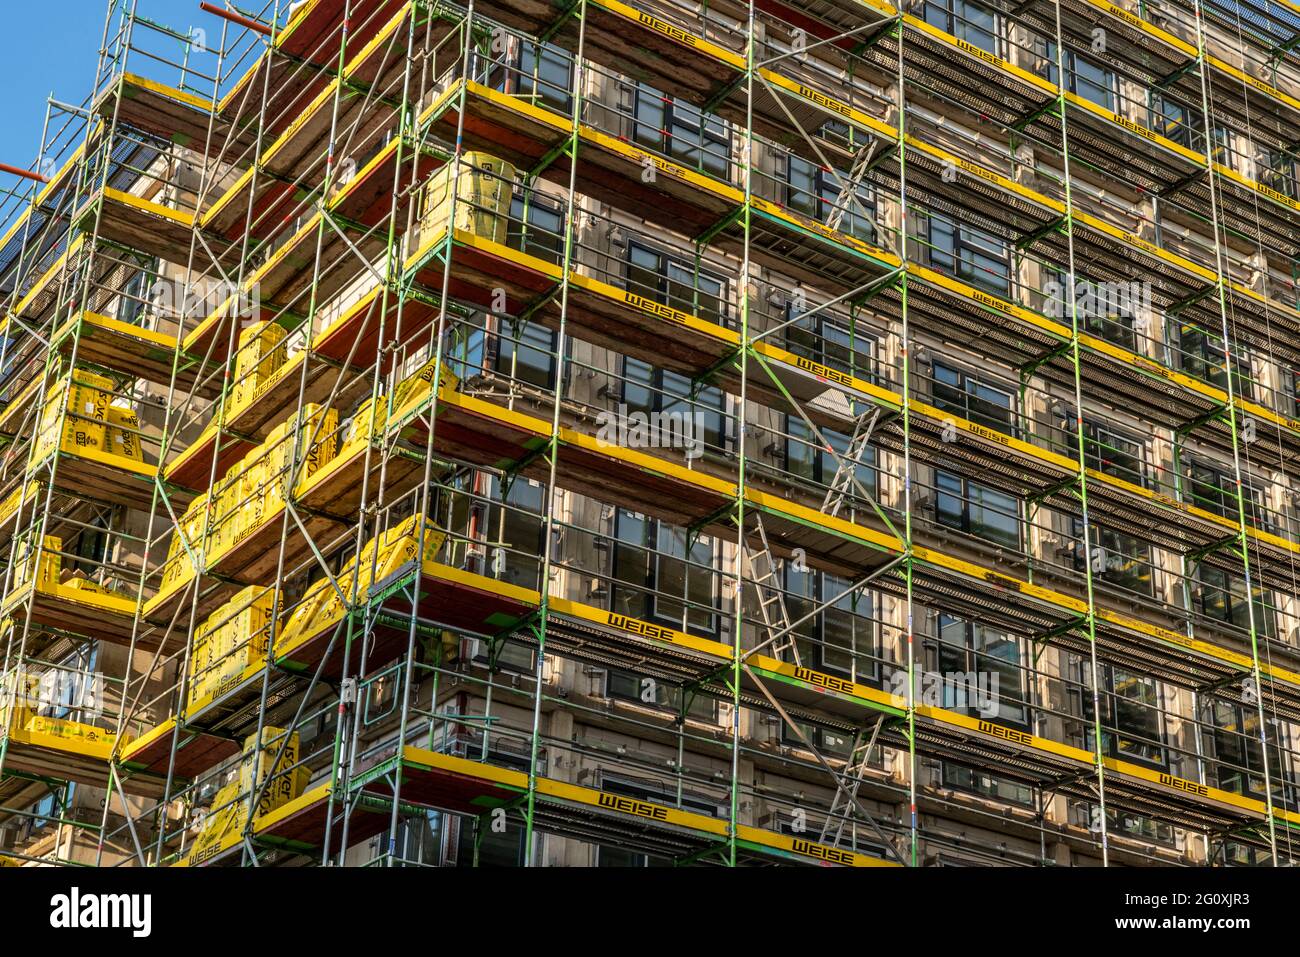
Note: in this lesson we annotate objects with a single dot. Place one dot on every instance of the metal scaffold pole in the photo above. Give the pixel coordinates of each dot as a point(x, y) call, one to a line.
point(744, 295)
point(161, 506)
point(552, 454)
point(1080, 450)
point(76, 273)
point(300, 449)
point(439, 336)
point(1255, 695)
point(407, 130)
point(905, 354)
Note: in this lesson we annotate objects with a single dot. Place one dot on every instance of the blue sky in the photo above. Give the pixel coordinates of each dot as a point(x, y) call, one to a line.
point(46, 46)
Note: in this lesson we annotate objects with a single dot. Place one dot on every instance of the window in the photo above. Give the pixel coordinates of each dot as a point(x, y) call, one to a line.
point(1106, 309)
point(821, 195)
point(673, 128)
point(1083, 78)
point(1213, 489)
point(1201, 354)
point(654, 580)
point(1225, 149)
point(621, 857)
point(48, 808)
point(495, 848)
point(675, 282)
point(537, 226)
point(844, 637)
point(806, 459)
point(1132, 722)
point(511, 655)
point(979, 666)
point(966, 21)
point(1282, 173)
point(420, 839)
point(1222, 597)
point(1119, 559)
point(702, 423)
point(969, 397)
point(833, 341)
point(135, 294)
point(665, 794)
point(1122, 823)
point(982, 511)
point(969, 254)
point(540, 72)
point(517, 529)
point(1112, 452)
point(71, 689)
point(1237, 854)
point(1177, 121)
point(467, 348)
point(657, 694)
point(1234, 744)
point(832, 744)
point(90, 545)
point(959, 777)
point(1139, 826)
point(526, 353)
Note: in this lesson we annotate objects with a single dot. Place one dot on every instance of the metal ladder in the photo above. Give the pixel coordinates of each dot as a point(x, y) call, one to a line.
point(846, 797)
point(863, 426)
point(771, 598)
point(849, 185)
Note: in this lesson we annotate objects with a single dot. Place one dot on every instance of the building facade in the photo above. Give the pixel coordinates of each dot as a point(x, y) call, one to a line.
point(643, 434)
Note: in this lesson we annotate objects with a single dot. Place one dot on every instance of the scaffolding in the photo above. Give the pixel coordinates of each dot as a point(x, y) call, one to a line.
point(774, 432)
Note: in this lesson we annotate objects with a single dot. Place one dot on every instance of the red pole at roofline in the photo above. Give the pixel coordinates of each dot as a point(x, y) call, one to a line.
point(233, 17)
point(24, 173)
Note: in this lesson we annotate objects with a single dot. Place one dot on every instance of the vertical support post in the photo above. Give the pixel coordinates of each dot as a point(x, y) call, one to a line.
point(905, 387)
point(742, 432)
point(1080, 440)
point(553, 443)
point(1243, 539)
point(439, 340)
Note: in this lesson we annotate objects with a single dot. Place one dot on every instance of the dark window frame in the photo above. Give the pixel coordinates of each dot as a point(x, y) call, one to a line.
point(520, 73)
point(812, 587)
point(968, 249)
point(701, 708)
point(944, 657)
point(1113, 706)
point(536, 239)
point(684, 132)
point(1108, 79)
point(665, 289)
point(1215, 587)
point(963, 497)
point(942, 394)
point(819, 197)
point(1114, 542)
point(946, 15)
point(641, 597)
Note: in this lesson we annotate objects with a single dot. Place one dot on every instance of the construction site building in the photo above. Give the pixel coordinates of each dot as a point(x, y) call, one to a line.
point(646, 432)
